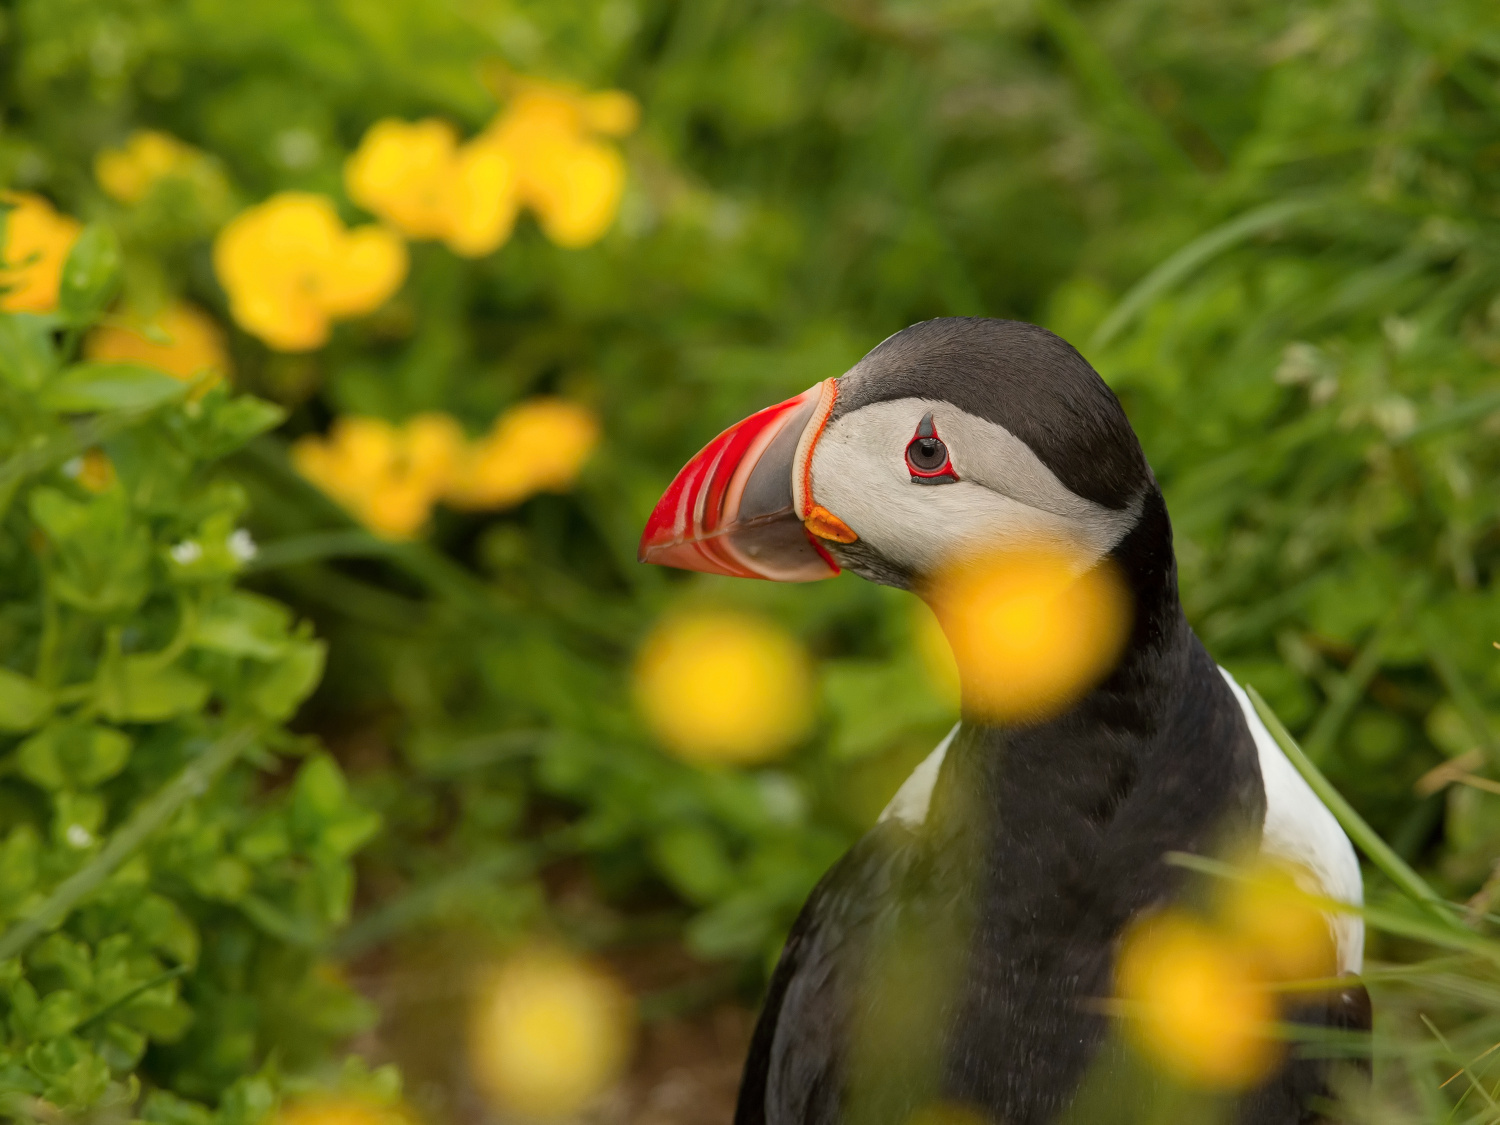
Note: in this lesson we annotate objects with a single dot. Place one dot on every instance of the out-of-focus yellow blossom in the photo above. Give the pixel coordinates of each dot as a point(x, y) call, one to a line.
point(388, 477)
point(418, 178)
point(194, 343)
point(290, 266)
point(128, 173)
point(1279, 925)
point(564, 173)
point(724, 687)
point(1030, 635)
point(37, 241)
point(93, 470)
point(341, 1110)
point(537, 446)
point(935, 653)
point(1195, 1004)
point(549, 1034)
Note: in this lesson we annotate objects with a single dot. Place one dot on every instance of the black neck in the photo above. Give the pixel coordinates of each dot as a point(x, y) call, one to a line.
point(1064, 825)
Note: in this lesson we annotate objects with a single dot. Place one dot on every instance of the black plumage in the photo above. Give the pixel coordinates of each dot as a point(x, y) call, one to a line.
point(966, 959)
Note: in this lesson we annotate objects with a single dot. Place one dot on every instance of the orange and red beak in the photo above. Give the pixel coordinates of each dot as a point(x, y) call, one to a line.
point(744, 507)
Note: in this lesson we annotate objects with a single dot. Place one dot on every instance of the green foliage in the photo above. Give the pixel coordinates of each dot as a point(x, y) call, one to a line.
point(158, 890)
point(1270, 228)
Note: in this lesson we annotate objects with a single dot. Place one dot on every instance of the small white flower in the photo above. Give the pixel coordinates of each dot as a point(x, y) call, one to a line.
point(186, 553)
point(79, 836)
point(73, 467)
point(241, 546)
point(782, 798)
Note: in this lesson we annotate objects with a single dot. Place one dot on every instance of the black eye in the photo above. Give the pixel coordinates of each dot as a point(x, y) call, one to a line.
point(927, 456)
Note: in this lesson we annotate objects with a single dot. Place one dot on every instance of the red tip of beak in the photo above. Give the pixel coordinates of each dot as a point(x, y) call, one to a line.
point(730, 509)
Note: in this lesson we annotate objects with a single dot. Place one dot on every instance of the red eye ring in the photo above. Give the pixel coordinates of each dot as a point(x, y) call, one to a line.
point(927, 455)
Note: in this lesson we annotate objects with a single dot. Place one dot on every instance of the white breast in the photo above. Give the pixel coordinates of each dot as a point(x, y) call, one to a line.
point(1298, 827)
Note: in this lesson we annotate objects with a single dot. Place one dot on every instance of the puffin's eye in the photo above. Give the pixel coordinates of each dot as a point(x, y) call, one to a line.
point(927, 456)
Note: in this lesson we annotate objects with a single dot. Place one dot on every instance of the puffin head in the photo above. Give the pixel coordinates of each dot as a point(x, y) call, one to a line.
point(953, 437)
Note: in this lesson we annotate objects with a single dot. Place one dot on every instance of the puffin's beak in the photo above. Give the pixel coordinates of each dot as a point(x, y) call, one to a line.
point(743, 505)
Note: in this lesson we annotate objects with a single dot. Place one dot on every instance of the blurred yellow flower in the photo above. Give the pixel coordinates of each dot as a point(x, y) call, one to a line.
point(386, 476)
point(417, 177)
point(340, 1110)
point(719, 686)
point(537, 446)
point(1029, 634)
point(935, 653)
point(564, 173)
point(128, 173)
point(290, 266)
point(1280, 926)
point(37, 241)
point(193, 345)
point(1195, 1004)
point(549, 1034)
point(93, 470)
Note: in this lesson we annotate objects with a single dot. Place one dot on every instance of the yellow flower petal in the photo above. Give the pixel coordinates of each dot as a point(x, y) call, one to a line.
point(1195, 1006)
point(724, 687)
point(611, 112)
point(36, 246)
point(367, 268)
point(549, 1034)
point(537, 446)
point(289, 265)
point(575, 190)
point(403, 172)
point(194, 344)
point(128, 173)
point(483, 203)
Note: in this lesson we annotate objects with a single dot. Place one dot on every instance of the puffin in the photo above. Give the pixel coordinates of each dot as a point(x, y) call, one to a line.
point(960, 958)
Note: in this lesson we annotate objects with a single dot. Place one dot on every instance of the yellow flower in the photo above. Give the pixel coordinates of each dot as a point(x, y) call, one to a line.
point(570, 179)
point(387, 477)
point(549, 1034)
point(538, 446)
point(128, 173)
point(340, 1110)
point(93, 470)
point(289, 267)
point(194, 344)
point(1028, 633)
point(1195, 1005)
point(37, 241)
point(418, 178)
point(724, 687)
point(1279, 925)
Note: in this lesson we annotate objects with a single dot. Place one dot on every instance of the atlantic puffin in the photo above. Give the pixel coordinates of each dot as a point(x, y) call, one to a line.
point(961, 954)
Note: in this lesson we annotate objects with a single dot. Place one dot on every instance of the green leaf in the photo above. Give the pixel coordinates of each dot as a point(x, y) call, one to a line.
point(58, 1014)
point(71, 755)
point(88, 387)
point(694, 861)
point(291, 680)
point(27, 356)
point(140, 690)
point(244, 624)
point(24, 704)
point(90, 276)
point(104, 555)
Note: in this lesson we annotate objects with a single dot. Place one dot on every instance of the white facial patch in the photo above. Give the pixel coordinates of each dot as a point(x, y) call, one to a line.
point(1004, 497)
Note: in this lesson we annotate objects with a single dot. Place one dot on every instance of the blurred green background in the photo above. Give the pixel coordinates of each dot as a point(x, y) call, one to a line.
point(1273, 228)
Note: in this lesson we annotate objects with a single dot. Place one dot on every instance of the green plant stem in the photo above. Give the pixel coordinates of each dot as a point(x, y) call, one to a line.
point(1195, 254)
point(1365, 838)
point(1349, 690)
point(192, 781)
point(1462, 695)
